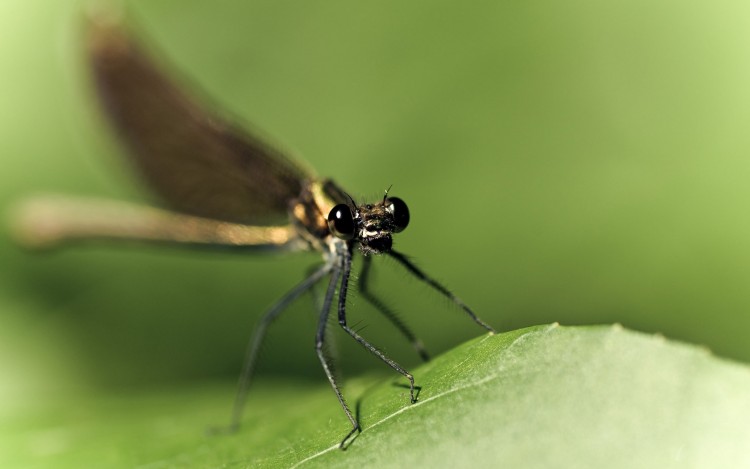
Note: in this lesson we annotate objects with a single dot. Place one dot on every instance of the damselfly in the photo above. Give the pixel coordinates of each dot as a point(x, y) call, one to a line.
point(227, 188)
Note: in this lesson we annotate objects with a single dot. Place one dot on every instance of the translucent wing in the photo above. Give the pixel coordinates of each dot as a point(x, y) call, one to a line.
point(198, 163)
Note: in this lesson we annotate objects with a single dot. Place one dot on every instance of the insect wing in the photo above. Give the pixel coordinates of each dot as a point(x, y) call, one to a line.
point(195, 161)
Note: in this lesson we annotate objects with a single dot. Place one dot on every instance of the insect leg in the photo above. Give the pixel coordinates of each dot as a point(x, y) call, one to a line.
point(259, 334)
point(320, 348)
point(444, 291)
point(364, 290)
point(371, 348)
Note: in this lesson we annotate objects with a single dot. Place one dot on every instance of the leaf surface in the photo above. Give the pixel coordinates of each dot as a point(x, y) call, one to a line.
point(546, 396)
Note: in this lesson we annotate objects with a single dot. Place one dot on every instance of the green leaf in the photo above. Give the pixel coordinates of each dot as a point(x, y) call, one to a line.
point(546, 396)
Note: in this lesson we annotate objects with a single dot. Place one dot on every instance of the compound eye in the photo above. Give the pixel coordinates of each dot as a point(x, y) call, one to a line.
point(341, 222)
point(400, 212)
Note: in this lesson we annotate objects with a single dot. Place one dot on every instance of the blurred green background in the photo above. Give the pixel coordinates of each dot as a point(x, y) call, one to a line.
point(581, 162)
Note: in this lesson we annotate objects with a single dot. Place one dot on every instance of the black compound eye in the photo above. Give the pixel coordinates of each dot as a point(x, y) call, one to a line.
point(341, 222)
point(400, 212)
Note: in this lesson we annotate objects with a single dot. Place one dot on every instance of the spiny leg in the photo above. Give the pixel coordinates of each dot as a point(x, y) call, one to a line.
point(317, 294)
point(259, 334)
point(320, 349)
point(364, 291)
point(347, 267)
point(434, 284)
